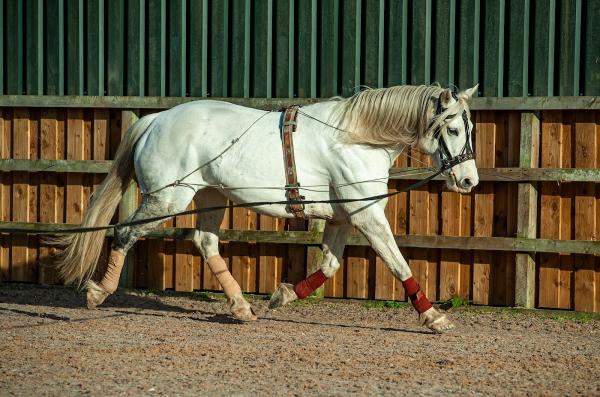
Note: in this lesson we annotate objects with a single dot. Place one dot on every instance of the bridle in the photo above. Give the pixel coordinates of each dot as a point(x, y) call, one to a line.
point(447, 161)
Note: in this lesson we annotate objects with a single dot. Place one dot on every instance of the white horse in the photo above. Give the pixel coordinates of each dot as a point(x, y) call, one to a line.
point(343, 149)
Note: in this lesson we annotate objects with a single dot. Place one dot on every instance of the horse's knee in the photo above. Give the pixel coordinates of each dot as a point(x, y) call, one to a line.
point(207, 243)
point(330, 263)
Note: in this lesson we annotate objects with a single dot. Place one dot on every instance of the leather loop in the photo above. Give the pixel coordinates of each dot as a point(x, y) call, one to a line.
point(292, 191)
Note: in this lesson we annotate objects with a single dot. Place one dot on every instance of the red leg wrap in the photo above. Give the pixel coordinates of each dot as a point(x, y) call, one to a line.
point(417, 297)
point(306, 287)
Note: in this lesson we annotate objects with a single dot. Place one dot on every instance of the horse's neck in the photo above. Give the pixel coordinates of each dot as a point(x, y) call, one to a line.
point(324, 112)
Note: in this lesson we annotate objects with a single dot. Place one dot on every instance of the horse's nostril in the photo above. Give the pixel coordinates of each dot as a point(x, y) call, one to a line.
point(466, 183)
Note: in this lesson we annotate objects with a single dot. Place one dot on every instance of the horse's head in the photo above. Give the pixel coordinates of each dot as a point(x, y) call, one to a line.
point(449, 139)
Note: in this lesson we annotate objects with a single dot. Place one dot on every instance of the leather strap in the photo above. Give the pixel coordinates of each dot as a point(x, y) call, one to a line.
point(292, 193)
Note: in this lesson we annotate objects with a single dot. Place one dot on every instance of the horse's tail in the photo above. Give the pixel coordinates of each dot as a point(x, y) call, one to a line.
point(77, 262)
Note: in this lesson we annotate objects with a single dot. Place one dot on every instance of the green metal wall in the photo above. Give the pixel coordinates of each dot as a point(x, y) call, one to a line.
point(304, 48)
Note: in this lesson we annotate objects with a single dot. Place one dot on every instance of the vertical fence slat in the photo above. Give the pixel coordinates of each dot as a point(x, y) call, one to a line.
point(423, 211)
point(585, 213)
point(20, 196)
point(48, 186)
point(527, 211)
point(184, 257)
point(243, 255)
point(269, 260)
point(5, 191)
point(484, 207)
point(550, 211)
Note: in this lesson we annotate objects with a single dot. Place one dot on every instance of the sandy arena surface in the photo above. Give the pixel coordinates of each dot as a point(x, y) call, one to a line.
point(183, 344)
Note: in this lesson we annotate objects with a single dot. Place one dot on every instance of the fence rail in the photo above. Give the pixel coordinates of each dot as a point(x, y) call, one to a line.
point(527, 235)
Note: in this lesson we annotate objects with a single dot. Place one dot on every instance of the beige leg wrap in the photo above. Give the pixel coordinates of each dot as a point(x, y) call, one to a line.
point(219, 268)
point(110, 281)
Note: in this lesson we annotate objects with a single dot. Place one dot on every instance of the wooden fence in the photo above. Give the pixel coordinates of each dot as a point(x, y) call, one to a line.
point(526, 236)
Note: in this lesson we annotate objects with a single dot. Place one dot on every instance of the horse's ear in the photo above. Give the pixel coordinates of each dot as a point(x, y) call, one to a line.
point(470, 91)
point(446, 97)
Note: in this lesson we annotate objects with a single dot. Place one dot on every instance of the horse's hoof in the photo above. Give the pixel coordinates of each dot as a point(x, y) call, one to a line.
point(435, 321)
point(241, 309)
point(282, 296)
point(95, 295)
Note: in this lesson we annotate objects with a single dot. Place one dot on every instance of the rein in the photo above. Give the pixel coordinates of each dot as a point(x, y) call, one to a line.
point(448, 161)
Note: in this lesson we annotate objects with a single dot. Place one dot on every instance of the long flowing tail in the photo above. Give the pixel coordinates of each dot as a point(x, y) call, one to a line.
point(77, 262)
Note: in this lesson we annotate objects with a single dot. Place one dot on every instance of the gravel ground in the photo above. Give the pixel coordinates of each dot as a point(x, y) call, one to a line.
point(183, 344)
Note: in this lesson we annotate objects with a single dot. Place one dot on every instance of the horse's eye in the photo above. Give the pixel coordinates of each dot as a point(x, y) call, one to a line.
point(453, 131)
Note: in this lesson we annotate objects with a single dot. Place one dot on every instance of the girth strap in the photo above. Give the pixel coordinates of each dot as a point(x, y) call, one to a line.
point(292, 192)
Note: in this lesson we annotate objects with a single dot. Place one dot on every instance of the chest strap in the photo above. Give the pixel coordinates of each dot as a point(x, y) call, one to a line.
point(292, 192)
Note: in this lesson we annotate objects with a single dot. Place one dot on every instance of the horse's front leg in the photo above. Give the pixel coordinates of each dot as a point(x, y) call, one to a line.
point(371, 221)
point(334, 240)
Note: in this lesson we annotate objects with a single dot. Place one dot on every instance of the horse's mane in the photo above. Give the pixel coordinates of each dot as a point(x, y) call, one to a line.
point(394, 116)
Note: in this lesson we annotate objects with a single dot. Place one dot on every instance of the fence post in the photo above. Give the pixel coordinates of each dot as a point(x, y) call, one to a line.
point(314, 255)
point(527, 211)
point(128, 203)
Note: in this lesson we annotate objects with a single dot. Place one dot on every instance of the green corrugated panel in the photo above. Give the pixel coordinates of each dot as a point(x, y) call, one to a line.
point(442, 42)
point(14, 47)
point(2, 51)
point(74, 47)
point(591, 49)
point(196, 70)
point(465, 32)
point(370, 53)
point(327, 83)
point(284, 48)
point(539, 44)
point(417, 44)
point(260, 62)
point(303, 48)
point(281, 10)
point(115, 25)
point(55, 71)
point(176, 48)
point(135, 47)
point(515, 19)
point(34, 76)
point(95, 47)
point(491, 32)
point(237, 47)
point(219, 46)
point(566, 41)
point(396, 43)
point(155, 49)
point(348, 44)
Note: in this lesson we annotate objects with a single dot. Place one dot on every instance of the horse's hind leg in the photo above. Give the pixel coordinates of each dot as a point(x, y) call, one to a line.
point(206, 238)
point(124, 239)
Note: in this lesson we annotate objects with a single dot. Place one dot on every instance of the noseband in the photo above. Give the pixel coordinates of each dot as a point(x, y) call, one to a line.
point(447, 160)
